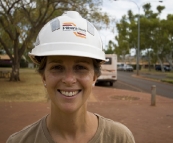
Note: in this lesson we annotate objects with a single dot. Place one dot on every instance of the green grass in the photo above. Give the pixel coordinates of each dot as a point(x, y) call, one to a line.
point(167, 76)
point(167, 80)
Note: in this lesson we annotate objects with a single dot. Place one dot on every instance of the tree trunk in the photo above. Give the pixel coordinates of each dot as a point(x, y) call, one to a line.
point(169, 60)
point(15, 72)
point(161, 64)
point(149, 61)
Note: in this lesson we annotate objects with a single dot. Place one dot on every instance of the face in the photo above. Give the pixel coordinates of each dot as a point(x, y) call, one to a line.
point(69, 81)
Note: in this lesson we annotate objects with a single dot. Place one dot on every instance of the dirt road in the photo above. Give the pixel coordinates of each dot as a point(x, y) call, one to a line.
point(148, 124)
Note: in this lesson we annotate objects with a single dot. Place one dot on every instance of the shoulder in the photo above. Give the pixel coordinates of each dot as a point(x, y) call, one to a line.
point(115, 130)
point(112, 125)
point(28, 133)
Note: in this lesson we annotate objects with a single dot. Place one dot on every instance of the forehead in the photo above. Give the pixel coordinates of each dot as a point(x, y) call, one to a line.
point(68, 59)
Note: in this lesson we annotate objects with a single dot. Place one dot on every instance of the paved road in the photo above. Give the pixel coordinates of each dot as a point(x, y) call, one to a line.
point(131, 82)
point(144, 85)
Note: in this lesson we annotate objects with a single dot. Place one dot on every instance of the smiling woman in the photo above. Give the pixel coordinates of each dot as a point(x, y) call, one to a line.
point(69, 54)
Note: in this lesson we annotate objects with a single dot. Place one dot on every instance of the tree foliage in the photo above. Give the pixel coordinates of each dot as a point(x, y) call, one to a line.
point(156, 35)
point(21, 20)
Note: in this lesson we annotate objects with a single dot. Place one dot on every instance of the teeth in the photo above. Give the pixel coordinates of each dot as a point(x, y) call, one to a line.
point(67, 93)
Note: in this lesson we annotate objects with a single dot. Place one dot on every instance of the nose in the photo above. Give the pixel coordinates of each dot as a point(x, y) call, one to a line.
point(69, 78)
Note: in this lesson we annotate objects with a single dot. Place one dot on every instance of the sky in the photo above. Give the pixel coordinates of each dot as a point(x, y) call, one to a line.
point(116, 9)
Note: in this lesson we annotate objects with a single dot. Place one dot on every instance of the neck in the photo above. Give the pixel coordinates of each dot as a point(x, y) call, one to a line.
point(69, 122)
point(74, 128)
point(78, 126)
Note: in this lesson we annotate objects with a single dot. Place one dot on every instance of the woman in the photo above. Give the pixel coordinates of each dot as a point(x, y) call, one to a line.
point(69, 53)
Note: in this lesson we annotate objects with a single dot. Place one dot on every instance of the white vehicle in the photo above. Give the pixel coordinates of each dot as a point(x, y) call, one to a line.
point(109, 70)
point(128, 68)
point(120, 66)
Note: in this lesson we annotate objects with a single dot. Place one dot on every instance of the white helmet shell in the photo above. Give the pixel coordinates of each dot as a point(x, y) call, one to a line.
point(68, 35)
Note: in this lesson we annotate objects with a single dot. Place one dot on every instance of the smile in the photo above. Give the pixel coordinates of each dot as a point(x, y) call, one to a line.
point(69, 93)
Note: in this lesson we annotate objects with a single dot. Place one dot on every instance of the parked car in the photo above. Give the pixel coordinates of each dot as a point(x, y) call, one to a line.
point(128, 68)
point(120, 67)
point(166, 68)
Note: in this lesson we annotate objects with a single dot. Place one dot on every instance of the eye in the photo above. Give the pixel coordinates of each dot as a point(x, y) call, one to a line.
point(80, 67)
point(57, 67)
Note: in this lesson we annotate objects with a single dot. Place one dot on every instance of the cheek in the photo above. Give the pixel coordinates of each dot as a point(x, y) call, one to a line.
point(87, 80)
point(51, 79)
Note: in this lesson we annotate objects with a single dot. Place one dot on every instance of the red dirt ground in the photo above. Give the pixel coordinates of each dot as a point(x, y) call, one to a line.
point(149, 124)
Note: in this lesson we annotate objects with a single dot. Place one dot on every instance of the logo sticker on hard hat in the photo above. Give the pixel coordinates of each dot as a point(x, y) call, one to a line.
point(79, 32)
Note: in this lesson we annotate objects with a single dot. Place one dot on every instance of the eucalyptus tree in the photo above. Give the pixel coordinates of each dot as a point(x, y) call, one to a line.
point(151, 33)
point(110, 48)
point(146, 33)
point(122, 46)
point(159, 36)
point(167, 26)
point(21, 20)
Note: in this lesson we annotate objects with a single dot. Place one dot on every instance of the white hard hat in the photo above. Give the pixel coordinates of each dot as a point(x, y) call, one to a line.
point(68, 35)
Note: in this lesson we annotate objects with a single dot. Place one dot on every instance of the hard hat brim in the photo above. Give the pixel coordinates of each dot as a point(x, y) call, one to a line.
point(62, 49)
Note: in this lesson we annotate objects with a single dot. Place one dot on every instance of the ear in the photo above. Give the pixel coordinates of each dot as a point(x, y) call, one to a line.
point(94, 79)
point(43, 79)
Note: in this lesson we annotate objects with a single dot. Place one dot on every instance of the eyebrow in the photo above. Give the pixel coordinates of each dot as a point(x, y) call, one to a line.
point(55, 61)
point(82, 61)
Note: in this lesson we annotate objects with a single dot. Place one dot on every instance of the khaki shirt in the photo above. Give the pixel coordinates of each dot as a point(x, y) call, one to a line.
point(108, 131)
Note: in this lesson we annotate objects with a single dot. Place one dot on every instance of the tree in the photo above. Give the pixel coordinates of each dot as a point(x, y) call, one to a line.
point(127, 33)
point(110, 49)
point(156, 35)
point(21, 20)
point(167, 24)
